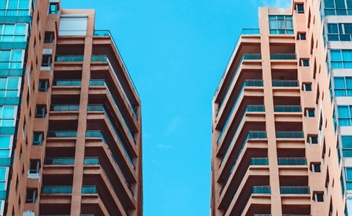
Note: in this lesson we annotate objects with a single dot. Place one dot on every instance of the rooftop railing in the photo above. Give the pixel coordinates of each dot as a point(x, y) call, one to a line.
point(250, 31)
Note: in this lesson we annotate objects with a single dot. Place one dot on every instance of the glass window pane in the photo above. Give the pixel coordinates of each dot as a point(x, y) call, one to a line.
point(335, 55)
point(5, 141)
point(8, 112)
point(12, 83)
point(9, 29)
point(4, 55)
point(332, 28)
point(343, 111)
point(3, 173)
point(20, 29)
point(346, 141)
point(339, 83)
point(16, 55)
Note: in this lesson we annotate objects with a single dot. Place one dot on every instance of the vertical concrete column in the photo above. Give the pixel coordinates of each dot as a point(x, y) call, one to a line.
point(82, 122)
point(269, 112)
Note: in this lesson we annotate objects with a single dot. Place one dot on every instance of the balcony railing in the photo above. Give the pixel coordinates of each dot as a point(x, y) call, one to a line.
point(246, 83)
point(67, 83)
point(285, 83)
point(101, 33)
point(261, 190)
point(287, 109)
point(294, 190)
point(255, 108)
point(290, 134)
point(56, 189)
point(89, 190)
point(259, 161)
point(70, 161)
point(101, 58)
point(64, 108)
point(62, 133)
point(250, 31)
point(292, 161)
point(283, 56)
point(67, 58)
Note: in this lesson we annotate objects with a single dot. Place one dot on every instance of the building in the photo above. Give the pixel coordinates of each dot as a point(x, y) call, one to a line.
point(70, 117)
point(282, 135)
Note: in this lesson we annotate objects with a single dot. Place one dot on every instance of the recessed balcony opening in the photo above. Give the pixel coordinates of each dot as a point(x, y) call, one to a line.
point(64, 100)
point(55, 209)
point(291, 153)
point(58, 179)
point(62, 152)
point(279, 48)
point(286, 101)
point(68, 75)
point(100, 75)
point(293, 180)
point(288, 127)
point(302, 210)
point(250, 74)
point(63, 125)
point(259, 210)
point(92, 210)
point(284, 74)
point(70, 50)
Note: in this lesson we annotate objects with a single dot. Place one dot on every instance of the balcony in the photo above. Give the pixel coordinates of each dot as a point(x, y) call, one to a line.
point(102, 83)
point(89, 190)
point(69, 58)
point(56, 190)
point(292, 161)
point(290, 135)
point(287, 109)
point(261, 190)
point(254, 83)
point(304, 190)
point(287, 56)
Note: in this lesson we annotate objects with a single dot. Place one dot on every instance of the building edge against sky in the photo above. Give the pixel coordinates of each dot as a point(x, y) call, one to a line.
point(282, 115)
point(70, 116)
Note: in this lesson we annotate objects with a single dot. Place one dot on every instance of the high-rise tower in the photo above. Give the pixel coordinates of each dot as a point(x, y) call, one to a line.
point(282, 114)
point(70, 118)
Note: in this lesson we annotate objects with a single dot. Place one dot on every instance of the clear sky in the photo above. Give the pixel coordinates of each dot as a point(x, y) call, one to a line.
point(176, 52)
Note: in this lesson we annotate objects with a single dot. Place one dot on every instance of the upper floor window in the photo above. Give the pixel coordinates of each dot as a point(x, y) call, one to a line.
point(337, 7)
point(344, 115)
point(348, 178)
point(11, 59)
point(53, 8)
point(49, 37)
point(10, 86)
point(280, 24)
point(300, 8)
point(7, 116)
point(341, 58)
point(342, 86)
point(339, 31)
point(13, 32)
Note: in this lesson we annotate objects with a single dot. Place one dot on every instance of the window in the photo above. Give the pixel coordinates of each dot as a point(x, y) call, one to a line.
point(11, 59)
point(8, 116)
point(315, 167)
point(302, 36)
point(348, 175)
point(339, 31)
point(31, 195)
point(312, 139)
point(342, 86)
point(5, 144)
point(346, 143)
point(344, 115)
point(46, 60)
point(337, 7)
point(341, 58)
point(43, 85)
point(304, 62)
point(280, 24)
point(15, 5)
point(307, 86)
point(49, 37)
point(13, 32)
point(300, 8)
point(310, 112)
point(318, 196)
point(10, 86)
point(40, 111)
point(37, 138)
point(34, 167)
point(3, 177)
point(53, 8)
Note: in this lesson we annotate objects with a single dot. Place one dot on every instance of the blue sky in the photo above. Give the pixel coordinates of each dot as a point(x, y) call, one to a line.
point(176, 52)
